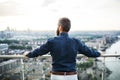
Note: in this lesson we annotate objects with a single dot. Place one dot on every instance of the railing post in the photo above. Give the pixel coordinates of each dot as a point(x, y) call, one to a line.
point(103, 72)
point(22, 69)
point(43, 72)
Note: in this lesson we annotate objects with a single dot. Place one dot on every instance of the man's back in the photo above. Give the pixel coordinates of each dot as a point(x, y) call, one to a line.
point(63, 52)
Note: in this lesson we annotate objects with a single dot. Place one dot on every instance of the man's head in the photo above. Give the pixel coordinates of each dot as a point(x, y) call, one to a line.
point(64, 25)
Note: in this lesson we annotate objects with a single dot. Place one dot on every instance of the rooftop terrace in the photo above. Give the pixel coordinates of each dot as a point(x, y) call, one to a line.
point(20, 68)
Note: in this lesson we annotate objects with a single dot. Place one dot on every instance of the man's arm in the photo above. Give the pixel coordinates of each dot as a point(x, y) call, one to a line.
point(44, 49)
point(85, 50)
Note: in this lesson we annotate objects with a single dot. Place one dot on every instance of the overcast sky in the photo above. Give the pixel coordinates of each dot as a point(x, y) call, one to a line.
point(44, 14)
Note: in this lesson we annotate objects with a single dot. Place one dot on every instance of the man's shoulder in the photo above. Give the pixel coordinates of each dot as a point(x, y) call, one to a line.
point(52, 39)
point(74, 39)
point(78, 41)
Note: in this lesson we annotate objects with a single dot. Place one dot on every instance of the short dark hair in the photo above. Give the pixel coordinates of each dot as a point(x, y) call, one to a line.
point(65, 23)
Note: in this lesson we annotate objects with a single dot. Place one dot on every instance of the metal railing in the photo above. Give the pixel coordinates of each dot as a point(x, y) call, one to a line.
point(22, 57)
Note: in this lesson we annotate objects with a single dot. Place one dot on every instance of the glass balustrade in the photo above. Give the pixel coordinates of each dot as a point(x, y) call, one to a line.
point(16, 67)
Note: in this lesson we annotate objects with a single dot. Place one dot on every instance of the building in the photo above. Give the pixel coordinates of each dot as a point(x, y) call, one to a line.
point(3, 48)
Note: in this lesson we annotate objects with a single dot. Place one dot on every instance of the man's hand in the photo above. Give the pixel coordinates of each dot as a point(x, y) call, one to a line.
point(25, 53)
point(101, 53)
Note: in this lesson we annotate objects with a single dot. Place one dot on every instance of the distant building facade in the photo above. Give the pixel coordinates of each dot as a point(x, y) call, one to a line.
point(3, 48)
point(6, 34)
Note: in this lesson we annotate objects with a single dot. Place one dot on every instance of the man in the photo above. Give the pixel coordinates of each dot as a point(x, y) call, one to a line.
point(63, 50)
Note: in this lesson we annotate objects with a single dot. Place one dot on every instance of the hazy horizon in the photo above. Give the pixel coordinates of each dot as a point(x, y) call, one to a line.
point(12, 29)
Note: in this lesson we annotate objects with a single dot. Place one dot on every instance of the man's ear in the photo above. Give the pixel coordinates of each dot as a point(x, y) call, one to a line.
point(60, 28)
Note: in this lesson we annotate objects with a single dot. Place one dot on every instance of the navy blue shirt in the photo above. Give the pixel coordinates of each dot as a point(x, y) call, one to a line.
point(63, 50)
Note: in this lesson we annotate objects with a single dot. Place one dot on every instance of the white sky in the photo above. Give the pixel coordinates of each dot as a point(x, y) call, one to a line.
point(44, 14)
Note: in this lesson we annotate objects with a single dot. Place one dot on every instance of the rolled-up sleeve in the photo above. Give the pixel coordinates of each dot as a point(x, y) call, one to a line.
point(43, 49)
point(83, 49)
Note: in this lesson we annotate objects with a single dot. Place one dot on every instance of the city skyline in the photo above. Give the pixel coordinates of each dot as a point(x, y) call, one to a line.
point(40, 15)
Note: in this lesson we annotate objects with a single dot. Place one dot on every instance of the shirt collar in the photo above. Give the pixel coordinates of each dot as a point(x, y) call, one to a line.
point(64, 34)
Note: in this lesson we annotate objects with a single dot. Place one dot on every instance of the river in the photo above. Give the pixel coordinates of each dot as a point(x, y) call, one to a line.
point(113, 63)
